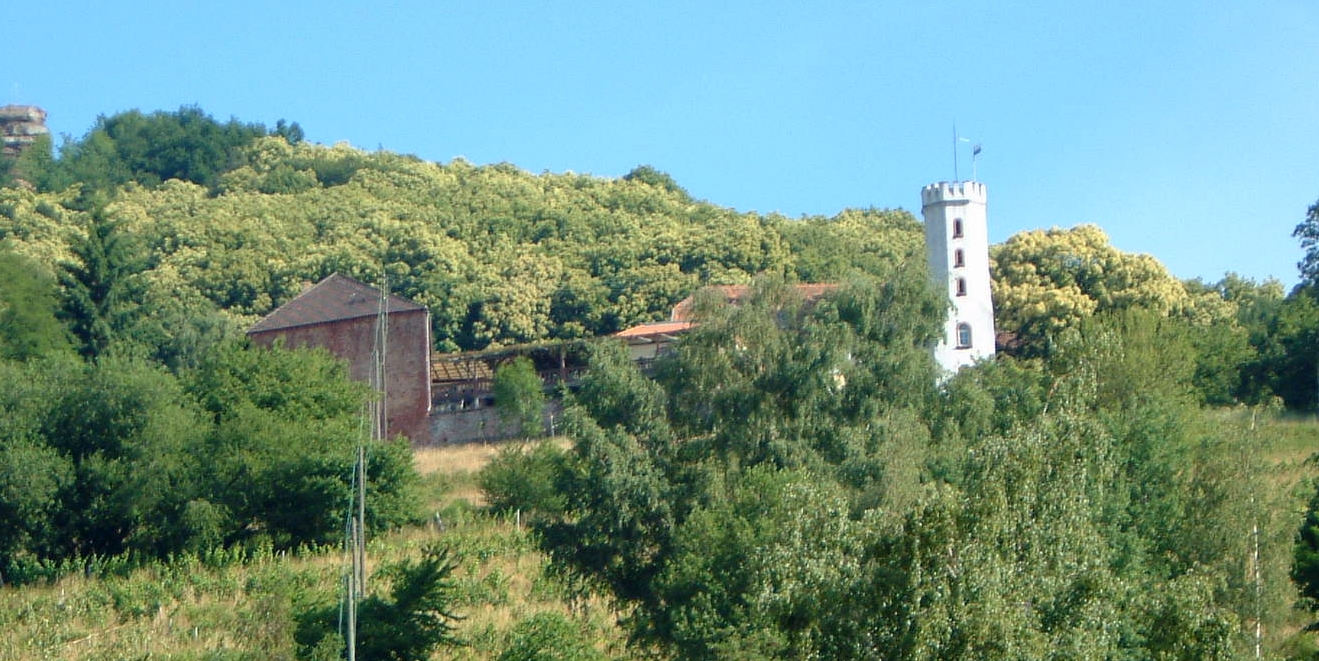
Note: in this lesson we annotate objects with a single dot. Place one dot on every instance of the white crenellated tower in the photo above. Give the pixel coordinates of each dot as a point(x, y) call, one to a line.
point(957, 242)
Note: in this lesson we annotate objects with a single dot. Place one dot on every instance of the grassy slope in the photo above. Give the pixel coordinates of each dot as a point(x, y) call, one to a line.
point(192, 609)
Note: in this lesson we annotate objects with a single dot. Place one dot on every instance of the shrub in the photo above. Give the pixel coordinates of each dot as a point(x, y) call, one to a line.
point(521, 477)
point(548, 637)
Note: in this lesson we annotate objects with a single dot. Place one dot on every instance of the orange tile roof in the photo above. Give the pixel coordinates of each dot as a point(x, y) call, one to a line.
point(657, 328)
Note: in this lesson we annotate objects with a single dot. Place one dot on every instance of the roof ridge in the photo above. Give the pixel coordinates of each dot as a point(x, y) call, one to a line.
point(336, 297)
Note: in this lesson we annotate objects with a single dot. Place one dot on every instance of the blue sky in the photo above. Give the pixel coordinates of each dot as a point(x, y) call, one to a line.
point(1187, 130)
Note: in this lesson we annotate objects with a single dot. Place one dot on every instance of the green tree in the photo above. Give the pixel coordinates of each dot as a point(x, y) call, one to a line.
point(867, 240)
point(128, 435)
point(648, 175)
point(280, 459)
point(777, 393)
point(1048, 281)
point(1288, 362)
point(521, 478)
point(1308, 232)
point(410, 623)
point(32, 477)
point(187, 144)
point(786, 553)
point(28, 305)
point(794, 485)
point(102, 286)
point(520, 396)
point(1305, 564)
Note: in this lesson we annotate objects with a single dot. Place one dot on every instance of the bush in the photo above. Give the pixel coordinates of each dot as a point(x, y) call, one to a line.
point(408, 625)
point(548, 637)
point(520, 397)
point(521, 477)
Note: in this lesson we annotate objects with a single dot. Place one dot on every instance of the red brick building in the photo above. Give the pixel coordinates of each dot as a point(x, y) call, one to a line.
point(339, 314)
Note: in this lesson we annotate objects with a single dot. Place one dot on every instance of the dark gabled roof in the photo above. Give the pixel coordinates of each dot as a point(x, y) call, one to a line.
point(335, 298)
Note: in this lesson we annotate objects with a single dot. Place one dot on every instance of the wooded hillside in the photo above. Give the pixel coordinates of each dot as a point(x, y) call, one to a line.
point(793, 481)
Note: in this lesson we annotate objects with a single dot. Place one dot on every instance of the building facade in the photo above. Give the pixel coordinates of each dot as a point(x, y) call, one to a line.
point(340, 314)
point(957, 245)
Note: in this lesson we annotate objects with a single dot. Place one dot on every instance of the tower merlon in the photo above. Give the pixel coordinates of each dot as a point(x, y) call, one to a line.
point(957, 191)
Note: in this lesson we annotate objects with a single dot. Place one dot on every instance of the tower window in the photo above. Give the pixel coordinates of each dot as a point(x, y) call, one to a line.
point(960, 286)
point(957, 228)
point(963, 335)
point(959, 258)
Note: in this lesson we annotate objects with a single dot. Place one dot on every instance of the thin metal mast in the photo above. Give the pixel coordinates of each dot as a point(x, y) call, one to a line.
point(376, 417)
point(955, 176)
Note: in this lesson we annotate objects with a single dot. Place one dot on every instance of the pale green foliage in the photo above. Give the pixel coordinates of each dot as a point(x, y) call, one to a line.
point(520, 396)
point(40, 225)
point(499, 256)
point(870, 240)
point(1047, 281)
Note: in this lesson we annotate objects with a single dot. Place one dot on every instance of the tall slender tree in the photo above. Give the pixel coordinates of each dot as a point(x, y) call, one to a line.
point(1308, 232)
point(102, 288)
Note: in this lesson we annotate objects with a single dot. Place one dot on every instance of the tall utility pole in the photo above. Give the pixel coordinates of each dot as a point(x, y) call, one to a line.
point(376, 418)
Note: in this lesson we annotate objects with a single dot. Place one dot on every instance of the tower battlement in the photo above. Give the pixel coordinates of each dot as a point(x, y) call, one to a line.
point(957, 191)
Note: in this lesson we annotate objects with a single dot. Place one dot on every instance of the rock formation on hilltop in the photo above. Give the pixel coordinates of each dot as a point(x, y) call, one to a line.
point(20, 126)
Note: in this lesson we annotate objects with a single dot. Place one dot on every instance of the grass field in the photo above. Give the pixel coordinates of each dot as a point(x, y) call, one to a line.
point(218, 608)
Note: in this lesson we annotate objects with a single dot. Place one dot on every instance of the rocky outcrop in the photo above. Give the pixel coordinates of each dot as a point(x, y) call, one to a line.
point(20, 126)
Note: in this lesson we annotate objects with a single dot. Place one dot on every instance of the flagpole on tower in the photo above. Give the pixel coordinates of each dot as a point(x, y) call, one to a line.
point(955, 178)
point(957, 139)
point(975, 157)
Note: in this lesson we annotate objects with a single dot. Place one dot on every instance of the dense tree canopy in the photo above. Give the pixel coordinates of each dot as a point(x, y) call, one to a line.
point(791, 485)
point(1049, 280)
point(500, 256)
point(147, 149)
point(1247, 338)
point(29, 327)
point(793, 481)
point(119, 455)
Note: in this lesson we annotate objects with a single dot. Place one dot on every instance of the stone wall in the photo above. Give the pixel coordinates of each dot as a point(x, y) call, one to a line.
point(482, 425)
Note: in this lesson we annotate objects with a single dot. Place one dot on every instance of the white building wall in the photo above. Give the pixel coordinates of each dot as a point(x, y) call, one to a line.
point(943, 205)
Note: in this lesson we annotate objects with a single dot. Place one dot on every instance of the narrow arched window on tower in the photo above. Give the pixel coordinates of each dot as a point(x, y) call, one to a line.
point(960, 286)
point(963, 335)
point(957, 228)
point(959, 258)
